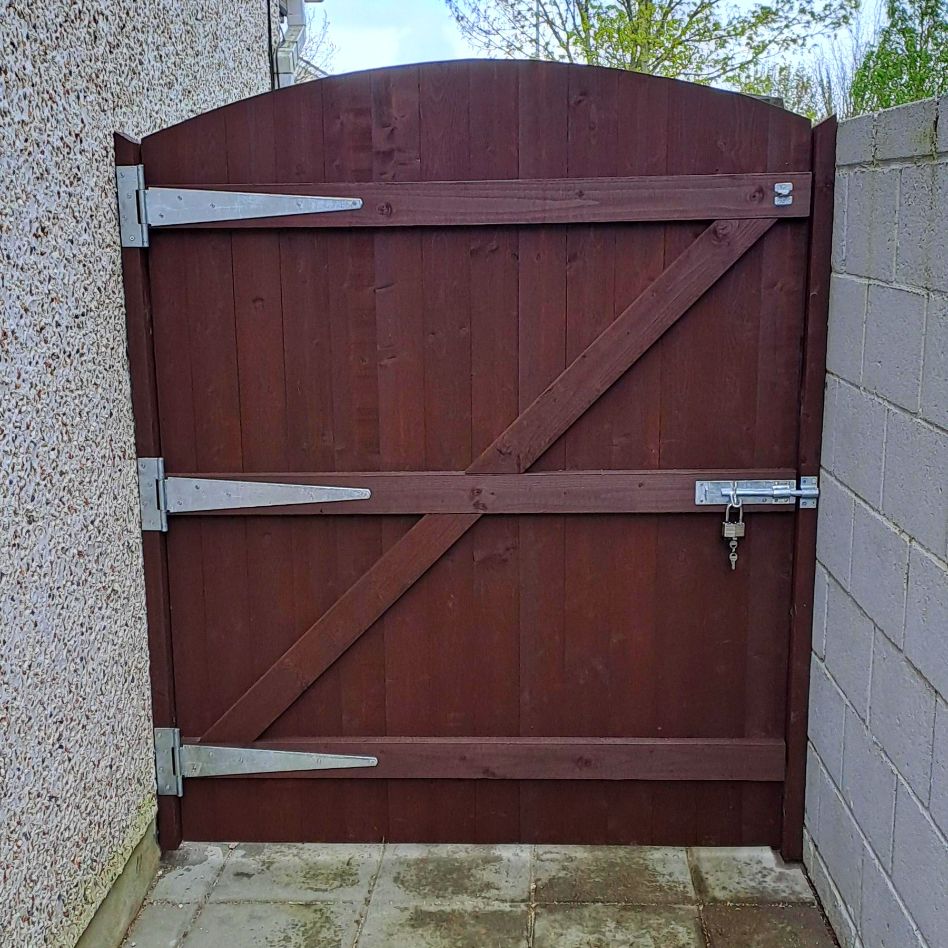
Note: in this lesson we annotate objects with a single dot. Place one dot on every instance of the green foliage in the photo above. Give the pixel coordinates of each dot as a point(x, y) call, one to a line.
point(909, 61)
point(798, 87)
point(704, 41)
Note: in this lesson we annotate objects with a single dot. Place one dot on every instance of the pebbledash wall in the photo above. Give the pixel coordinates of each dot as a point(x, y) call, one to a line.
point(877, 779)
point(76, 773)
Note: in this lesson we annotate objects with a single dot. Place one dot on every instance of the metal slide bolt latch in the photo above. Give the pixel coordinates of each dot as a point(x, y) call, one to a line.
point(713, 493)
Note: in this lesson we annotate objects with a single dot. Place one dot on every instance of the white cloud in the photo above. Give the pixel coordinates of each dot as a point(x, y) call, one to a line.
point(367, 47)
point(373, 33)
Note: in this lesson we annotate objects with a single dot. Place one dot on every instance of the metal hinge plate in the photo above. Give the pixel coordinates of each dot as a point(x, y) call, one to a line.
point(175, 762)
point(721, 493)
point(161, 496)
point(142, 208)
point(783, 194)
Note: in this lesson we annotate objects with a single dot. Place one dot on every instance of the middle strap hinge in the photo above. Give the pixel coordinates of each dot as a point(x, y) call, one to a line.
point(161, 496)
point(142, 208)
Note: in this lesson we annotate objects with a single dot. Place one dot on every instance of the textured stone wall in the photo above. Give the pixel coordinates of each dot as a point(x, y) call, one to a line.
point(877, 778)
point(76, 779)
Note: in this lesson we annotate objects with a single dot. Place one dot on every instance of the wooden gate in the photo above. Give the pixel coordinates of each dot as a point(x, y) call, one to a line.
point(570, 293)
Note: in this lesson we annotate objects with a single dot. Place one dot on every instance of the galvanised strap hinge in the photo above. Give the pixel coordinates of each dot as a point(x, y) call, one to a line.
point(719, 493)
point(141, 208)
point(161, 496)
point(175, 762)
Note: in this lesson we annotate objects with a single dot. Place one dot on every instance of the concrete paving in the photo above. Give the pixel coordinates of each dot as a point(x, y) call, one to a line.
point(515, 896)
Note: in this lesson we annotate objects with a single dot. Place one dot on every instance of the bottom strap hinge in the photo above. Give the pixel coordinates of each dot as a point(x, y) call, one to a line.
point(174, 761)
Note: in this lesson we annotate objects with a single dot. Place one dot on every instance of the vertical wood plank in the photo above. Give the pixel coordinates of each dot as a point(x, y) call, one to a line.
point(542, 116)
point(270, 589)
point(435, 693)
point(297, 118)
point(709, 385)
point(592, 148)
point(493, 624)
point(401, 364)
point(349, 156)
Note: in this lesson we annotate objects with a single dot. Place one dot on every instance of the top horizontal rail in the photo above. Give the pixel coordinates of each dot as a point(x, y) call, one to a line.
point(536, 201)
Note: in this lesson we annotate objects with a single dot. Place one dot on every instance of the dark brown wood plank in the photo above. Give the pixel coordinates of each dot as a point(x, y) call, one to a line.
point(811, 429)
point(707, 408)
point(628, 560)
point(349, 147)
point(589, 609)
point(543, 118)
point(492, 625)
point(549, 758)
point(605, 199)
point(427, 701)
point(400, 323)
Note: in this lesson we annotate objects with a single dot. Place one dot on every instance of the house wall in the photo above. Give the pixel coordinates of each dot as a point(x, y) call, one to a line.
point(76, 773)
point(877, 781)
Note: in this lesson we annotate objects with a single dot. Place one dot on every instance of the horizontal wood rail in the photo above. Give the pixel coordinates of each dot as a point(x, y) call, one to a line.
point(694, 197)
point(547, 758)
point(567, 492)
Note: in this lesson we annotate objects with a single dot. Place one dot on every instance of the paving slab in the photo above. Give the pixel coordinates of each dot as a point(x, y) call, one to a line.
point(637, 875)
point(423, 874)
point(187, 874)
point(461, 924)
point(160, 925)
point(766, 926)
point(302, 872)
point(747, 875)
point(275, 925)
point(617, 926)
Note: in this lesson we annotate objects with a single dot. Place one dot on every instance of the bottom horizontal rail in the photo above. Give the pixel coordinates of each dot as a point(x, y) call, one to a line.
point(546, 758)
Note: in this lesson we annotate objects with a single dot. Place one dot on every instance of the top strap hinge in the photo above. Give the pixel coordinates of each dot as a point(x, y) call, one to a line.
point(142, 208)
point(130, 190)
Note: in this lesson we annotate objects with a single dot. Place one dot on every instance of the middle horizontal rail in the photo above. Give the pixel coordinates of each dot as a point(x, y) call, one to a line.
point(560, 492)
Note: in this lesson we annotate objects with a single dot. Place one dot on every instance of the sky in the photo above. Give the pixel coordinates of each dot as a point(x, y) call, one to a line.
point(371, 33)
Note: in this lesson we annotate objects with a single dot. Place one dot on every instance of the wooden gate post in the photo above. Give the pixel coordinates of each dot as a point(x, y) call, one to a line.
point(819, 269)
point(141, 360)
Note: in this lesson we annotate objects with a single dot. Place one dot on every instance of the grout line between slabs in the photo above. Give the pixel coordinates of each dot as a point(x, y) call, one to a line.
point(532, 899)
point(228, 851)
point(364, 914)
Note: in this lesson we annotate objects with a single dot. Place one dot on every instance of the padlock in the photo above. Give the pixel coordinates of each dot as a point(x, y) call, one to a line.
point(733, 529)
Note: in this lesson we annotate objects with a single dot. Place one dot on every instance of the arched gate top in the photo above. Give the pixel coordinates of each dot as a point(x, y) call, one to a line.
point(477, 120)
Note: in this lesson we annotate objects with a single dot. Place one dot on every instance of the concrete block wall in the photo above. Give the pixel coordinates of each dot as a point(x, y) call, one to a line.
point(876, 840)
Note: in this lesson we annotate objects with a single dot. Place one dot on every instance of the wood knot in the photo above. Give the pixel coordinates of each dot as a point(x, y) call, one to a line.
point(722, 230)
